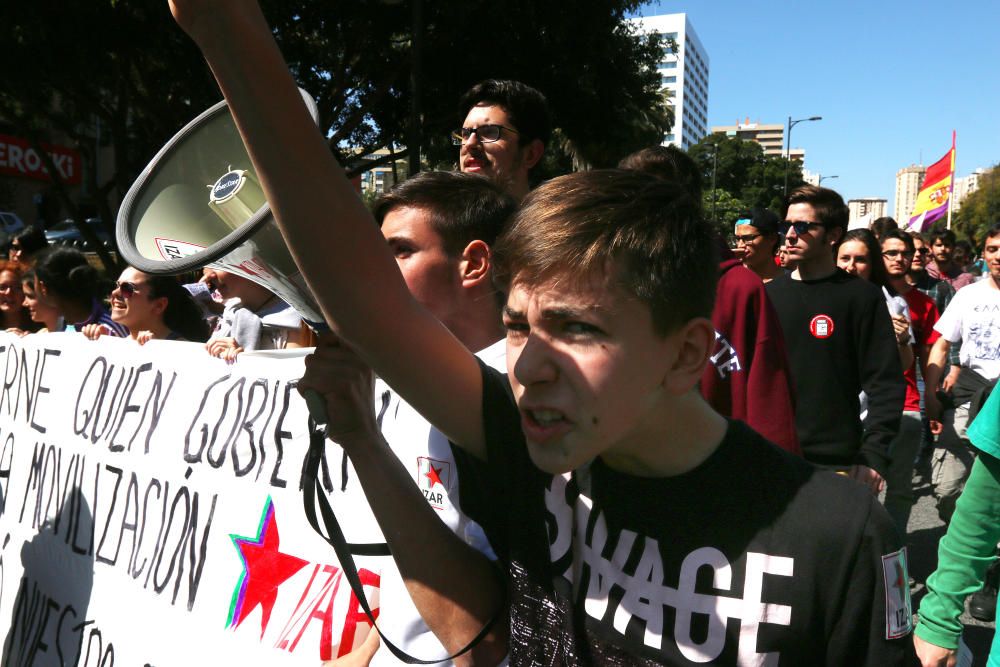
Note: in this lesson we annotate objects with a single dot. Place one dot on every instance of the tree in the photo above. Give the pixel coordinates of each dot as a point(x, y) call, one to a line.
point(981, 209)
point(741, 169)
point(121, 73)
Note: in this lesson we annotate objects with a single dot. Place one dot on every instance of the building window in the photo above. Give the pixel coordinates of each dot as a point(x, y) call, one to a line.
point(668, 65)
point(669, 79)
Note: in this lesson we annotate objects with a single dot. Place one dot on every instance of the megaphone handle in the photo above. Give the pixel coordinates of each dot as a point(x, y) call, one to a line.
point(316, 405)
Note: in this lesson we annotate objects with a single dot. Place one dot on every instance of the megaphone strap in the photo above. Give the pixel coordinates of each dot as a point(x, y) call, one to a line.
point(313, 494)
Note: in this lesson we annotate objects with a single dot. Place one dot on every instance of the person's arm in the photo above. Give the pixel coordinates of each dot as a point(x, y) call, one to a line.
point(455, 601)
point(882, 380)
point(861, 627)
point(964, 554)
point(327, 227)
point(937, 365)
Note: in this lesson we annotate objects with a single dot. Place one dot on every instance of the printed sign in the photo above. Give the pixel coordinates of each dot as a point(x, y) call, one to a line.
point(19, 158)
point(150, 510)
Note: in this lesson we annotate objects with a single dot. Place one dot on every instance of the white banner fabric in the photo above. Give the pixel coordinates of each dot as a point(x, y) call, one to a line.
point(151, 510)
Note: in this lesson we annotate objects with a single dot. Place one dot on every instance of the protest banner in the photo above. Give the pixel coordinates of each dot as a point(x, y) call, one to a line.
point(151, 510)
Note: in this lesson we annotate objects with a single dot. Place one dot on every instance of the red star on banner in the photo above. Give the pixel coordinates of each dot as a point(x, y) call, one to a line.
point(264, 570)
point(434, 474)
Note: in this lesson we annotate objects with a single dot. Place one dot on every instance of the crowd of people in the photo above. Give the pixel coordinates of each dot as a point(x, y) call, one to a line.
point(666, 449)
point(46, 289)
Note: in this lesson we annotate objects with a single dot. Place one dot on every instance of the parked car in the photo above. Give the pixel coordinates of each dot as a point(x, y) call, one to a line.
point(65, 233)
point(10, 224)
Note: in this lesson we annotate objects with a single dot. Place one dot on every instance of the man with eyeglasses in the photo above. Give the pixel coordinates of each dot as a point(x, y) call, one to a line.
point(503, 134)
point(757, 242)
point(840, 342)
point(898, 251)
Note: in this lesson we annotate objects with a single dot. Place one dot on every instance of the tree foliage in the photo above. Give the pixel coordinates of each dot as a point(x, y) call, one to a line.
point(122, 73)
point(740, 169)
point(981, 209)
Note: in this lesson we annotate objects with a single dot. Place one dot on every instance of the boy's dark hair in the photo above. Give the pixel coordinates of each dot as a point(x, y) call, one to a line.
point(945, 235)
point(669, 163)
point(883, 225)
point(67, 274)
point(526, 107)
point(182, 314)
point(899, 235)
point(873, 250)
point(831, 211)
point(31, 239)
point(572, 227)
point(462, 207)
point(994, 230)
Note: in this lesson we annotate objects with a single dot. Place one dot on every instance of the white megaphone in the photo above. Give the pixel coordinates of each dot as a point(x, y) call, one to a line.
point(199, 203)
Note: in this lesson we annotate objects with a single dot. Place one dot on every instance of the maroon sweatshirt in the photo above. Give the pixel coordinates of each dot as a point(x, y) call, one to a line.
point(747, 377)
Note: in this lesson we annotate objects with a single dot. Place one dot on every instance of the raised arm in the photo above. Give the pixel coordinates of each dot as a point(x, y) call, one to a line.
point(329, 231)
point(456, 601)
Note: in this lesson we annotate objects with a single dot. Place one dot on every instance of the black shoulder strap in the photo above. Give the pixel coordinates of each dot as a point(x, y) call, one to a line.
point(312, 495)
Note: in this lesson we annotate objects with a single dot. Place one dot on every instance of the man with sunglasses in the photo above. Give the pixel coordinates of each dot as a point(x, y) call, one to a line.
point(840, 342)
point(503, 134)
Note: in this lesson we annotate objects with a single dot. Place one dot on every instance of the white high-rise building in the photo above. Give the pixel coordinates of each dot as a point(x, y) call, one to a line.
point(684, 74)
point(873, 207)
point(908, 182)
point(966, 185)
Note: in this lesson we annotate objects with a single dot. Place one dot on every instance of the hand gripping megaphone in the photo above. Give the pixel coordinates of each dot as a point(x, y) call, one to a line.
point(199, 203)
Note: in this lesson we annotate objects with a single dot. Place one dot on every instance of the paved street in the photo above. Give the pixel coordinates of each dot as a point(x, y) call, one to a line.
point(925, 530)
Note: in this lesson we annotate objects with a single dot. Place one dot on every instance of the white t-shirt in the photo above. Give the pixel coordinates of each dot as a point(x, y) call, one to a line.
point(426, 453)
point(973, 317)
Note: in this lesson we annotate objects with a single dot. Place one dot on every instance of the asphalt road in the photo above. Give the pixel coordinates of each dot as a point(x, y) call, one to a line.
point(923, 533)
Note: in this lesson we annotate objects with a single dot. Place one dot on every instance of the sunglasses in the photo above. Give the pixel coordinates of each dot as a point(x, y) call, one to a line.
point(801, 227)
point(923, 251)
point(893, 254)
point(127, 289)
point(746, 239)
point(486, 133)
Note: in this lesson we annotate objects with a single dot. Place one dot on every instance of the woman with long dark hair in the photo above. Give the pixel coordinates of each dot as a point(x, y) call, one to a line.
point(154, 307)
point(65, 281)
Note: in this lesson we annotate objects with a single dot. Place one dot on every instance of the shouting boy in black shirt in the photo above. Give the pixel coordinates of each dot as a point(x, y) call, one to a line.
point(638, 526)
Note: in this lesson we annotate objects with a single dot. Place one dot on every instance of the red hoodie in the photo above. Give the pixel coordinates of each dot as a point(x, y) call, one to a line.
point(748, 376)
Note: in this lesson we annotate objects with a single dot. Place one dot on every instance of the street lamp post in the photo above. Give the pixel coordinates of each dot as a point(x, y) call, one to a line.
point(715, 168)
point(788, 147)
point(825, 178)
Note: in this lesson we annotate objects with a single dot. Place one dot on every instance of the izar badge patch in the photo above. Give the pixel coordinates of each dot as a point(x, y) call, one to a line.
point(821, 326)
point(898, 609)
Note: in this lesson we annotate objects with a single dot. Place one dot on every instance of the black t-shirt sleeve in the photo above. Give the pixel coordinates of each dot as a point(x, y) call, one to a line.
point(881, 378)
point(859, 635)
point(487, 486)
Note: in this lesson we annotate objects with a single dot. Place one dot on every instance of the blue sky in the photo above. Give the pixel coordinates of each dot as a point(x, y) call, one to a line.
point(891, 80)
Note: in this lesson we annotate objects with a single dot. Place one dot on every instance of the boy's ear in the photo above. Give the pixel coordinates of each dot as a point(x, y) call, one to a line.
point(695, 342)
point(533, 152)
point(475, 264)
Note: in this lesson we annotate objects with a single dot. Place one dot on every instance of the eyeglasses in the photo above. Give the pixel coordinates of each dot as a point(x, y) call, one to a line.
point(893, 254)
point(746, 239)
point(486, 133)
point(127, 289)
point(801, 227)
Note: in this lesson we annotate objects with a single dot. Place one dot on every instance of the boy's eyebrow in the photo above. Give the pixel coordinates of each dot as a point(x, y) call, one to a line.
point(556, 312)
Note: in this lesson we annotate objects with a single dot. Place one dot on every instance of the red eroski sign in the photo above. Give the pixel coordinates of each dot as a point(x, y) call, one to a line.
point(19, 158)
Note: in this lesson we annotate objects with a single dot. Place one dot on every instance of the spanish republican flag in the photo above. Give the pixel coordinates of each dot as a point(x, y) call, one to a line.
point(935, 195)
